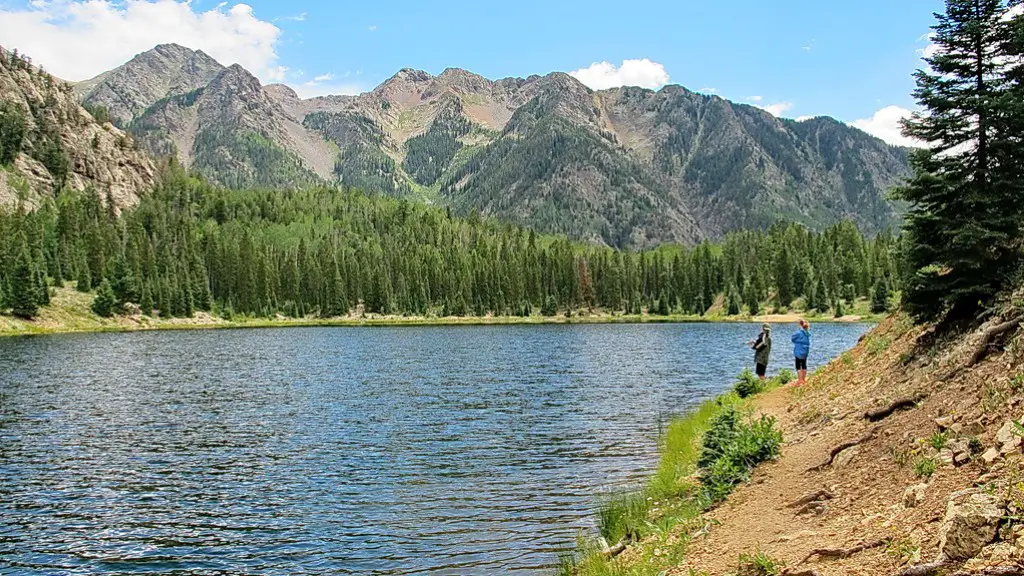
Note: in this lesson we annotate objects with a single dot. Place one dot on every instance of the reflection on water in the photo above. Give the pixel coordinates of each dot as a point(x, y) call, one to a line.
point(456, 450)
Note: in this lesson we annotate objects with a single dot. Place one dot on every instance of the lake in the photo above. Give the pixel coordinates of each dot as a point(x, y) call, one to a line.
point(447, 450)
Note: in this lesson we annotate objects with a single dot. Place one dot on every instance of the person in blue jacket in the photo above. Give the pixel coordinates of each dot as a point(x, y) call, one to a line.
point(802, 349)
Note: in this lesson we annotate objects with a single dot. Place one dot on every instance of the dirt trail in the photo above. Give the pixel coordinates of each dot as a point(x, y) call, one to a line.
point(868, 482)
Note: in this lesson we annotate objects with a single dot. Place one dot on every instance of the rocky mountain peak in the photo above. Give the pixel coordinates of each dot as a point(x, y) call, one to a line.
point(150, 76)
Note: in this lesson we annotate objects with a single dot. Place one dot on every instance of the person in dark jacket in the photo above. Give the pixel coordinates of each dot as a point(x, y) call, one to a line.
point(801, 350)
point(762, 350)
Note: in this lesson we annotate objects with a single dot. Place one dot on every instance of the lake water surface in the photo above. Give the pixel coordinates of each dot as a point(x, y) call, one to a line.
point(448, 450)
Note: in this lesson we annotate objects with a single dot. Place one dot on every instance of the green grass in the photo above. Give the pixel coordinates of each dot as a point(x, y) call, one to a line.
point(759, 564)
point(704, 456)
point(938, 440)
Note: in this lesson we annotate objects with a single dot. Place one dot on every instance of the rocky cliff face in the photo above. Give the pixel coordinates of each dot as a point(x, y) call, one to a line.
point(62, 143)
point(164, 71)
point(627, 167)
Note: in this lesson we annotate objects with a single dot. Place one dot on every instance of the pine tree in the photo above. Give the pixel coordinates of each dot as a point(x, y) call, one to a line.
point(106, 301)
point(146, 300)
point(734, 303)
point(960, 231)
point(784, 277)
point(753, 300)
point(880, 296)
point(24, 290)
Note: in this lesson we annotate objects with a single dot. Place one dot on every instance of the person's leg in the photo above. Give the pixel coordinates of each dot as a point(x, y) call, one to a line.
point(762, 370)
point(801, 371)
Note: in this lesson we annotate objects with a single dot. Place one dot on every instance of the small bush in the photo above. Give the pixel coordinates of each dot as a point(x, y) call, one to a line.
point(748, 384)
point(938, 440)
point(785, 376)
point(925, 467)
point(975, 446)
point(731, 448)
point(1017, 384)
point(759, 564)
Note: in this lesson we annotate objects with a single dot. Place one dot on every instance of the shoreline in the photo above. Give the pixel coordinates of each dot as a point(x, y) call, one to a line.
point(14, 327)
point(70, 313)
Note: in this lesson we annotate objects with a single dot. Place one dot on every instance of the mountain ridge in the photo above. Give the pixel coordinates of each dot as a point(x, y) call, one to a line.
point(623, 166)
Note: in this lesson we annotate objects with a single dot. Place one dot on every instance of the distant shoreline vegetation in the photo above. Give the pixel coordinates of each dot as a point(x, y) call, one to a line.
point(192, 247)
point(70, 313)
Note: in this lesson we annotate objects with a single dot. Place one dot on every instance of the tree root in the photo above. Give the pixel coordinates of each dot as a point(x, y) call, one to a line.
point(845, 445)
point(901, 404)
point(840, 553)
point(997, 571)
point(928, 569)
point(790, 572)
point(818, 496)
point(816, 508)
point(981, 350)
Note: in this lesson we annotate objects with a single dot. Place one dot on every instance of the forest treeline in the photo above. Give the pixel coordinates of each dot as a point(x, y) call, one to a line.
point(190, 246)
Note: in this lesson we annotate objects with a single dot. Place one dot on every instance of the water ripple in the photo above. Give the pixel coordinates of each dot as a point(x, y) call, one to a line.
point(468, 450)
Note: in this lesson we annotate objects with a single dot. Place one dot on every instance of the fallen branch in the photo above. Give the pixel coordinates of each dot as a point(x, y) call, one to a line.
point(840, 553)
point(789, 572)
point(989, 335)
point(845, 445)
point(812, 497)
point(901, 404)
point(923, 569)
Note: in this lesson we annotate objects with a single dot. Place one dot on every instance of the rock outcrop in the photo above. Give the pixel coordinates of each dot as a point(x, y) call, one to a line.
point(63, 144)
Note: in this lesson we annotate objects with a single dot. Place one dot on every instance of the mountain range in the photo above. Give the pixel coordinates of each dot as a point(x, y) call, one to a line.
point(625, 167)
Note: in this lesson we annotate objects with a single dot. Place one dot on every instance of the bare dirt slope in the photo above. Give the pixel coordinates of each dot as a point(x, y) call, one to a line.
point(873, 491)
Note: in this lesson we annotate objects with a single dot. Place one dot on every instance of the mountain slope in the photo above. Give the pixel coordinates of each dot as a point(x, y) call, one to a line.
point(626, 167)
point(215, 119)
point(164, 71)
point(47, 140)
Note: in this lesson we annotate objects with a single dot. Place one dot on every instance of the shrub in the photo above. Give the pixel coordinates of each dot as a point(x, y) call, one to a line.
point(748, 384)
point(731, 448)
point(925, 467)
point(938, 440)
point(785, 376)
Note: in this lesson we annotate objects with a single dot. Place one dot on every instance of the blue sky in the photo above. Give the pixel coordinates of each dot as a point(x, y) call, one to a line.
point(795, 57)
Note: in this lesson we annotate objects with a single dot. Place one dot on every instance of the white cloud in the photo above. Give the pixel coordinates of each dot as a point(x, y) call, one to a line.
point(295, 18)
point(78, 39)
point(754, 98)
point(322, 86)
point(804, 118)
point(372, 28)
point(602, 75)
point(709, 90)
point(885, 124)
point(777, 109)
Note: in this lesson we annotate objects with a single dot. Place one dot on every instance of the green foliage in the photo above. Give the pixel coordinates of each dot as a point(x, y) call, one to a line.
point(964, 227)
point(24, 298)
point(731, 449)
point(924, 467)
point(938, 440)
point(12, 131)
point(759, 564)
point(99, 113)
point(248, 160)
point(880, 297)
point(748, 384)
point(105, 303)
point(430, 153)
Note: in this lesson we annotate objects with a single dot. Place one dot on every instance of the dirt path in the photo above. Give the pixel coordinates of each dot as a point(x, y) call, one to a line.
point(867, 483)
